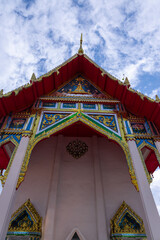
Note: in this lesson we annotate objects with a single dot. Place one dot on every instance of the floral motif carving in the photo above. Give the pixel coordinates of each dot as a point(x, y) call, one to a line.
point(77, 148)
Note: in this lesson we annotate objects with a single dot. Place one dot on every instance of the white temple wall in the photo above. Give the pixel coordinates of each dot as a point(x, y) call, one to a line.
point(76, 196)
point(116, 180)
point(36, 183)
point(76, 202)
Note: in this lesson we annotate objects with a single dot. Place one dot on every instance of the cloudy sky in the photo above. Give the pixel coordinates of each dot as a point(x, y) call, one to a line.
point(122, 36)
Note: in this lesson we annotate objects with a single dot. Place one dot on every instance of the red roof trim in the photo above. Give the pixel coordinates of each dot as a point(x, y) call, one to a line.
point(81, 64)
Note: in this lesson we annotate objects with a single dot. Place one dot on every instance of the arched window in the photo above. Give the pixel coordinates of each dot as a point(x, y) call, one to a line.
point(150, 159)
point(6, 151)
point(75, 237)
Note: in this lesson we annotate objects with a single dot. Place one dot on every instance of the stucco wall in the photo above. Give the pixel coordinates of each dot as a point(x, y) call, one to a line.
point(36, 183)
point(76, 206)
point(116, 180)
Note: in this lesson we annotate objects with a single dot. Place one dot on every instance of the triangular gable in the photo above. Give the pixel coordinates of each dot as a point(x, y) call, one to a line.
point(79, 87)
point(25, 221)
point(127, 224)
point(50, 120)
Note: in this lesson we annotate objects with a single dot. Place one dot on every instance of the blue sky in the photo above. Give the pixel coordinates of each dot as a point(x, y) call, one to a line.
point(122, 36)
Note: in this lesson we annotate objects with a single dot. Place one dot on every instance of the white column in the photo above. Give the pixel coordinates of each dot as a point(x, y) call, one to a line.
point(158, 146)
point(100, 206)
point(49, 227)
point(9, 190)
point(152, 216)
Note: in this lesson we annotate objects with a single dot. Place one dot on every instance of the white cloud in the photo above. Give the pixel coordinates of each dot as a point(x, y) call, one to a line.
point(125, 32)
point(154, 93)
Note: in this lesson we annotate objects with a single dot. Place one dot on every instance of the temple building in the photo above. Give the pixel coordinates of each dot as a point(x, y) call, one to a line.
point(78, 149)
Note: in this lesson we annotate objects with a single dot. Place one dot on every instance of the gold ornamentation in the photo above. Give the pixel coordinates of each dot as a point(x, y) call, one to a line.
point(126, 221)
point(1, 93)
point(75, 118)
point(80, 51)
point(25, 219)
point(77, 148)
point(16, 132)
point(79, 88)
point(108, 121)
point(33, 78)
point(126, 82)
point(50, 119)
point(157, 99)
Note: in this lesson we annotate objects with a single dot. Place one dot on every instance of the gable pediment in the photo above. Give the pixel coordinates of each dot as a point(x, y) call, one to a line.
point(79, 88)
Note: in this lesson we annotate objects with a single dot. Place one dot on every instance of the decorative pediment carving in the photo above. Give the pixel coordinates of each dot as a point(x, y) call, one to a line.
point(127, 224)
point(25, 221)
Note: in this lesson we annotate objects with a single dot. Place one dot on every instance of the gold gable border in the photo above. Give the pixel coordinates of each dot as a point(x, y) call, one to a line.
point(78, 116)
point(128, 230)
point(24, 228)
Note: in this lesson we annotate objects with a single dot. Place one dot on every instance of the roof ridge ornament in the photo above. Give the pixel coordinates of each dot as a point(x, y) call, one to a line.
point(33, 78)
point(126, 82)
point(157, 99)
point(1, 93)
point(80, 51)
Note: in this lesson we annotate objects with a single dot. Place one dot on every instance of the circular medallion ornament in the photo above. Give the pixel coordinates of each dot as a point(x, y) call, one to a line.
point(77, 148)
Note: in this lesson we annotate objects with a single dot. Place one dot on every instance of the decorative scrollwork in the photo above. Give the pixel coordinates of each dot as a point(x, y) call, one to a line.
point(77, 148)
point(25, 221)
point(127, 224)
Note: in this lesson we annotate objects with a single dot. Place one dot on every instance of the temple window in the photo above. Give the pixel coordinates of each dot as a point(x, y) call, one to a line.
point(6, 151)
point(150, 159)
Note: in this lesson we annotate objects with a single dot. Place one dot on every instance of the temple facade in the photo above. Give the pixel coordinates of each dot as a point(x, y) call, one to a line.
point(78, 148)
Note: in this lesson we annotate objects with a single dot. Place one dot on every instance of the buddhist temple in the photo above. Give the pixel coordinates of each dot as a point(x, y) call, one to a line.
point(78, 149)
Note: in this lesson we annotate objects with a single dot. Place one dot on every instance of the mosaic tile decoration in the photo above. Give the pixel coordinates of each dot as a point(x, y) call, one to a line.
point(49, 104)
point(49, 119)
point(138, 128)
point(17, 123)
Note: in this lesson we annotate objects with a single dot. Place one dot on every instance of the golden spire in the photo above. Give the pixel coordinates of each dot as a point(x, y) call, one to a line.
point(80, 51)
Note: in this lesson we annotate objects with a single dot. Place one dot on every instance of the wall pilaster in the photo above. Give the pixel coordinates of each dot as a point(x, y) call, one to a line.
point(151, 213)
point(49, 227)
point(158, 146)
point(99, 196)
point(9, 190)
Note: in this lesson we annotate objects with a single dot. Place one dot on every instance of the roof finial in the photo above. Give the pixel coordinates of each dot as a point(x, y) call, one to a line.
point(126, 82)
point(157, 98)
point(33, 78)
point(80, 51)
point(1, 92)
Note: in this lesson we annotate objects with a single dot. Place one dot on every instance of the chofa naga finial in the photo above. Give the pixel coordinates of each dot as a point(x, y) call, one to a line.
point(33, 78)
point(1, 93)
point(126, 82)
point(80, 51)
point(157, 99)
